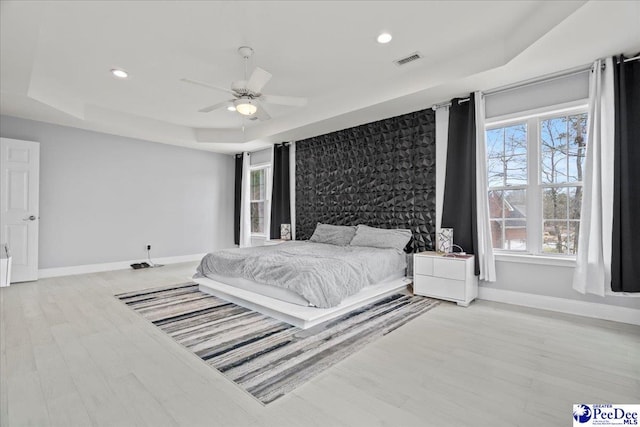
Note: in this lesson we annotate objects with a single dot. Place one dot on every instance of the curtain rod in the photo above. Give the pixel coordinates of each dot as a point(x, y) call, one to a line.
point(635, 58)
point(448, 104)
point(282, 143)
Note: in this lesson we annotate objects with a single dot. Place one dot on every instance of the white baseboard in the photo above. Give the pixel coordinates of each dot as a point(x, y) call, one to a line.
point(120, 265)
point(562, 305)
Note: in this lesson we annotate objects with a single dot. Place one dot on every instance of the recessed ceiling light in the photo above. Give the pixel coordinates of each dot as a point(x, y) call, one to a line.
point(121, 74)
point(384, 38)
point(231, 108)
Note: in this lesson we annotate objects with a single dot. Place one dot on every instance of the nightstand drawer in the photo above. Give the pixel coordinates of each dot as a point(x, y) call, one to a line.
point(423, 265)
point(439, 287)
point(449, 268)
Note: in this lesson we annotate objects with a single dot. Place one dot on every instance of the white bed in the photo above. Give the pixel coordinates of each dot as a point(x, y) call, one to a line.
point(303, 317)
point(291, 280)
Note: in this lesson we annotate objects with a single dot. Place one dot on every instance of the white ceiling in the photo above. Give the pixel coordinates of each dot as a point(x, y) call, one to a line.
point(55, 59)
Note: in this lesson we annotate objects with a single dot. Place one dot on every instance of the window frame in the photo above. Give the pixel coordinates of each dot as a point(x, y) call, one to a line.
point(535, 186)
point(267, 201)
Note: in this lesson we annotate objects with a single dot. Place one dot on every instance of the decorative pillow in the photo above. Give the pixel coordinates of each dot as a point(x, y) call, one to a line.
point(339, 235)
point(381, 237)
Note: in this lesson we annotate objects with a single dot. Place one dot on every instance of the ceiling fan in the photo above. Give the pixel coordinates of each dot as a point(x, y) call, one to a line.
point(248, 98)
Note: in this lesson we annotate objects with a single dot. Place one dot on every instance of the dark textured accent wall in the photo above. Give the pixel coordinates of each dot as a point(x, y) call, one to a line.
point(381, 174)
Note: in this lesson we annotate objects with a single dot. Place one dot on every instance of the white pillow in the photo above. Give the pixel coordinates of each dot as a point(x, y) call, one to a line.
point(381, 237)
point(339, 235)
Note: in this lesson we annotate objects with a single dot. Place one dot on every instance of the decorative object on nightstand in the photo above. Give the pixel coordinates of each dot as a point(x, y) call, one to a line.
point(445, 276)
point(285, 231)
point(445, 240)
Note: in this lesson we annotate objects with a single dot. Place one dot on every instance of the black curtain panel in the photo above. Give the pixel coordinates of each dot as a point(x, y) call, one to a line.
point(459, 205)
point(380, 174)
point(280, 196)
point(237, 200)
point(625, 256)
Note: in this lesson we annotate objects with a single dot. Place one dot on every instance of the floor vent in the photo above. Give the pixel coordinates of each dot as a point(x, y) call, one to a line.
point(413, 57)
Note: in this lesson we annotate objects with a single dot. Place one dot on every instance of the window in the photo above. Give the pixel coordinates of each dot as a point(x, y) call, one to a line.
point(260, 177)
point(535, 168)
point(507, 170)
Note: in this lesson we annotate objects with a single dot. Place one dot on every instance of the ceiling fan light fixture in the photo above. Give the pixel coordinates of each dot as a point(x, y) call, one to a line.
point(246, 107)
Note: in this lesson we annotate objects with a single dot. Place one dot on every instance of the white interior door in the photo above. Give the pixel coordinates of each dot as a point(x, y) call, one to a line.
point(19, 205)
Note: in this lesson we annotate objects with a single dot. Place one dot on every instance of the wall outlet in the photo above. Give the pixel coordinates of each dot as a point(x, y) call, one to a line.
point(148, 247)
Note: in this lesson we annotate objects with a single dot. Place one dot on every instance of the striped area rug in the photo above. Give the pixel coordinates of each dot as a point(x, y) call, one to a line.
point(264, 356)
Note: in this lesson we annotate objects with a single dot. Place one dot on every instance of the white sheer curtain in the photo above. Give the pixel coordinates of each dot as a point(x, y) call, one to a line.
point(292, 190)
point(442, 135)
point(245, 203)
point(485, 245)
point(593, 263)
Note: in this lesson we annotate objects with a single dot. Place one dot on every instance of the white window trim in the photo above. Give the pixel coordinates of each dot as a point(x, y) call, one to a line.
point(534, 195)
point(529, 258)
point(267, 201)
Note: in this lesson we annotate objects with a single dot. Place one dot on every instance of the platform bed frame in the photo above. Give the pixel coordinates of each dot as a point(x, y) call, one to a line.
point(297, 315)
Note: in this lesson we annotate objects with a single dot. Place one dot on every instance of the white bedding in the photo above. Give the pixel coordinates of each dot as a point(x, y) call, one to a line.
point(321, 274)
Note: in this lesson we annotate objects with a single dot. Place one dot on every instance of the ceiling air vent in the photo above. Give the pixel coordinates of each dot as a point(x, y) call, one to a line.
point(403, 61)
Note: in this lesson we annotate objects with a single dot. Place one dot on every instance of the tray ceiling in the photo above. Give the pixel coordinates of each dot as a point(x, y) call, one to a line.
point(56, 56)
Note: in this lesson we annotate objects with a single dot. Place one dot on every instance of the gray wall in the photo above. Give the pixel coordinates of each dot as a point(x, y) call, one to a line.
point(103, 198)
point(548, 280)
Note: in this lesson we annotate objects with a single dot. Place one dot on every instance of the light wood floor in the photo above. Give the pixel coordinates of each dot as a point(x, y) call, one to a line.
point(71, 354)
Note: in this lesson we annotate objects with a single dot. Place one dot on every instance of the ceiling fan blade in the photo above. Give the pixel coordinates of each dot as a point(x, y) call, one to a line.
point(213, 107)
point(207, 85)
point(284, 100)
point(261, 113)
point(258, 79)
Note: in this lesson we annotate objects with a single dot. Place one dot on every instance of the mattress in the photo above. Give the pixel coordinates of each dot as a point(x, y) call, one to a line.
point(316, 273)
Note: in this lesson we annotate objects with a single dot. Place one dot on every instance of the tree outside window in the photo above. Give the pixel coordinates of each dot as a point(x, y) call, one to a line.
point(507, 174)
point(563, 149)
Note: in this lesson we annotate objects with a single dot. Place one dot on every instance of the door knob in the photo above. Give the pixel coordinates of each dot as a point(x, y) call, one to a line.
point(30, 218)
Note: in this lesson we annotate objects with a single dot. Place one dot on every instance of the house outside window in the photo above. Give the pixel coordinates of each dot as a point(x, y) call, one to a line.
point(260, 198)
point(535, 172)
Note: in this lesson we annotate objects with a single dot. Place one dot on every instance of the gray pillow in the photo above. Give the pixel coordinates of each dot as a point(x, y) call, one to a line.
point(339, 235)
point(381, 237)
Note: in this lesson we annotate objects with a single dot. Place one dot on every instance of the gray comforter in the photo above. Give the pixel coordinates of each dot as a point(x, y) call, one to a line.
point(323, 274)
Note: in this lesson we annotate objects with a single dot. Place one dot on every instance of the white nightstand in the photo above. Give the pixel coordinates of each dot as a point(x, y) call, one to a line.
point(449, 278)
point(273, 242)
